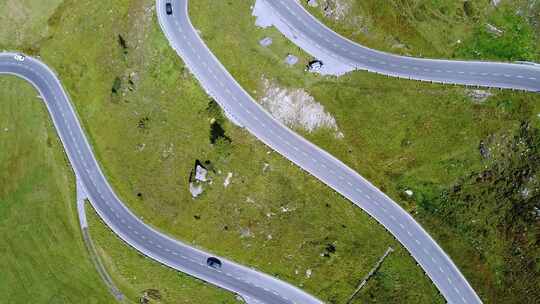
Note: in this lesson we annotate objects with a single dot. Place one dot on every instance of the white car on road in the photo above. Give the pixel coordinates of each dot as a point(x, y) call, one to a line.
point(19, 57)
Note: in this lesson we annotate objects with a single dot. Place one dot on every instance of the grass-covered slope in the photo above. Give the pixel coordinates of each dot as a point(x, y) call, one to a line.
point(497, 210)
point(42, 257)
point(149, 120)
point(24, 22)
point(442, 29)
point(403, 134)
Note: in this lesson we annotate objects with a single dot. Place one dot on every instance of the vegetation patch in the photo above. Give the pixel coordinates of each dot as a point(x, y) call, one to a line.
point(506, 35)
point(497, 209)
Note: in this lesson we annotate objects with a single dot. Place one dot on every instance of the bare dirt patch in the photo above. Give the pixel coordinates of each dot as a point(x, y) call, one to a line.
point(296, 108)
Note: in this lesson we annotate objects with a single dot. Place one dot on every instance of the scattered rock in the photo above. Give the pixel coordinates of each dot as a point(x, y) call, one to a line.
point(285, 209)
point(291, 60)
point(336, 9)
point(494, 30)
point(312, 3)
point(479, 96)
point(197, 177)
point(331, 248)
point(245, 233)
point(399, 46)
point(227, 179)
point(195, 189)
point(200, 172)
point(267, 41)
point(134, 77)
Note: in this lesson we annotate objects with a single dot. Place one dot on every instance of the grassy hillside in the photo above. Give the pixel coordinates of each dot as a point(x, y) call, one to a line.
point(494, 207)
point(151, 129)
point(24, 22)
point(399, 134)
point(42, 257)
point(448, 29)
point(149, 121)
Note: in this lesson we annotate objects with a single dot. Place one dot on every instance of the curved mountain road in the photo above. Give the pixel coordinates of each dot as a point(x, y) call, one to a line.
point(254, 286)
point(239, 105)
point(341, 55)
point(295, 22)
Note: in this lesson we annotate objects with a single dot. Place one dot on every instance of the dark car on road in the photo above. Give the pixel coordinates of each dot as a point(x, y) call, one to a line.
point(213, 262)
point(168, 8)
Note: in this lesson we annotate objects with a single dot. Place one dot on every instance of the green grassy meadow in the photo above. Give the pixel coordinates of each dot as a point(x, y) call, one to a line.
point(148, 121)
point(424, 137)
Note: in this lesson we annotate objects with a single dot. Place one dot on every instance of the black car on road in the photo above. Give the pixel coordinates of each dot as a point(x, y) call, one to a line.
point(168, 8)
point(213, 263)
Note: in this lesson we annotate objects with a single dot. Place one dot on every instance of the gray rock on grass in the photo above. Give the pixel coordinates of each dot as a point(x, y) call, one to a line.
point(267, 41)
point(291, 60)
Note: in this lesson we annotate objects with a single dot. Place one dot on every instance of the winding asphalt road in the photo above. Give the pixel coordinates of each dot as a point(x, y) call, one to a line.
point(342, 55)
point(239, 105)
point(253, 286)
